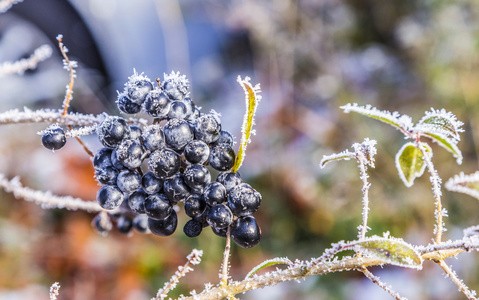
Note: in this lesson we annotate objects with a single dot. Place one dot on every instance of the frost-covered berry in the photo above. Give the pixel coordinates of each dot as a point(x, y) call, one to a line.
point(137, 88)
point(54, 138)
point(128, 181)
point(175, 86)
point(222, 157)
point(177, 134)
point(126, 106)
point(225, 138)
point(219, 216)
point(181, 109)
point(164, 227)
point(229, 179)
point(175, 188)
point(124, 224)
point(109, 197)
point(245, 232)
point(192, 228)
point(197, 177)
point(106, 175)
point(112, 131)
point(195, 205)
point(207, 128)
point(153, 137)
point(102, 158)
point(164, 162)
point(117, 164)
point(136, 201)
point(135, 132)
point(157, 104)
point(196, 152)
point(222, 232)
point(157, 206)
point(140, 223)
point(214, 193)
point(244, 200)
point(130, 153)
point(102, 223)
point(150, 183)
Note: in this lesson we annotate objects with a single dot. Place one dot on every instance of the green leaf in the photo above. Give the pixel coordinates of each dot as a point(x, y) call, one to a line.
point(393, 251)
point(252, 99)
point(446, 143)
point(401, 122)
point(441, 121)
point(410, 162)
point(269, 263)
point(466, 184)
point(346, 155)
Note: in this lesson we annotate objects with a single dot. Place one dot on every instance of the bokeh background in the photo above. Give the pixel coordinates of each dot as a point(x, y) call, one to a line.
point(310, 56)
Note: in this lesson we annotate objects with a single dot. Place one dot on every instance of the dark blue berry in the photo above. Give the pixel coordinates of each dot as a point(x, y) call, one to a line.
point(214, 193)
point(153, 137)
point(177, 134)
point(222, 232)
point(109, 197)
point(157, 104)
point(245, 232)
point(222, 157)
point(181, 109)
point(140, 223)
point(128, 181)
point(164, 227)
point(157, 206)
point(196, 152)
point(219, 216)
point(138, 89)
point(192, 228)
point(124, 224)
point(164, 162)
point(197, 177)
point(207, 128)
point(244, 200)
point(117, 164)
point(229, 179)
point(151, 184)
point(54, 138)
point(175, 188)
point(112, 131)
point(135, 132)
point(136, 201)
point(174, 90)
point(126, 106)
point(102, 158)
point(102, 223)
point(106, 175)
point(225, 138)
point(195, 205)
point(130, 153)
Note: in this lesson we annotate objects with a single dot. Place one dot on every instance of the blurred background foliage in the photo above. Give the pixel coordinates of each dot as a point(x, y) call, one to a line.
point(310, 57)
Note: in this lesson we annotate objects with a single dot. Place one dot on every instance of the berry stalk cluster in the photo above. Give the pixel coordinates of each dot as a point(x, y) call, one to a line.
point(146, 171)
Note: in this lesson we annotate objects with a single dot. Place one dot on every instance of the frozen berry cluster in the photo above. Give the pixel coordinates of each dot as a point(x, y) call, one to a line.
point(146, 171)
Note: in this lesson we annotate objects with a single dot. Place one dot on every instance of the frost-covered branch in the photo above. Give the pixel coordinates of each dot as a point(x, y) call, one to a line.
point(20, 66)
point(194, 258)
point(54, 291)
point(375, 279)
point(46, 199)
point(471, 295)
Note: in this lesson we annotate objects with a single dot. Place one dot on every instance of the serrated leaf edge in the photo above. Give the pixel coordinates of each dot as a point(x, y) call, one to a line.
point(416, 174)
point(269, 263)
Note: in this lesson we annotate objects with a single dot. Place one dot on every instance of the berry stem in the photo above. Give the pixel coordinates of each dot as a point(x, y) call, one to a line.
point(226, 255)
point(68, 64)
point(365, 190)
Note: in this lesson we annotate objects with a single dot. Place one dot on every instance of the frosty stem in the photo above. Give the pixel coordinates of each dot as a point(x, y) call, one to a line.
point(460, 284)
point(381, 284)
point(226, 255)
point(365, 190)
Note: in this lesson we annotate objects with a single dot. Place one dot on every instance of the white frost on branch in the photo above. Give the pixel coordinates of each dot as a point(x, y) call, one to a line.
point(20, 66)
point(7, 4)
point(81, 131)
point(466, 184)
point(54, 291)
point(46, 199)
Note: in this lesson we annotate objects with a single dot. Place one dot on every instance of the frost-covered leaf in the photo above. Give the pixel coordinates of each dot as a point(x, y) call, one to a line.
point(366, 150)
point(441, 122)
point(447, 143)
point(401, 122)
point(410, 162)
point(346, 155)
point(252, 99)
point(466, 184)
point(393, 251)
point(269, 263)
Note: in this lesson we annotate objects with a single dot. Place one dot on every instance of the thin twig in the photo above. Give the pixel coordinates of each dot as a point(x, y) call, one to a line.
point(54, 291)
point(365, 189)
point(460, 284)
point(381, 284)
point(226, 255)
point(69, 67)
point(436, 189)
point(194, 258)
